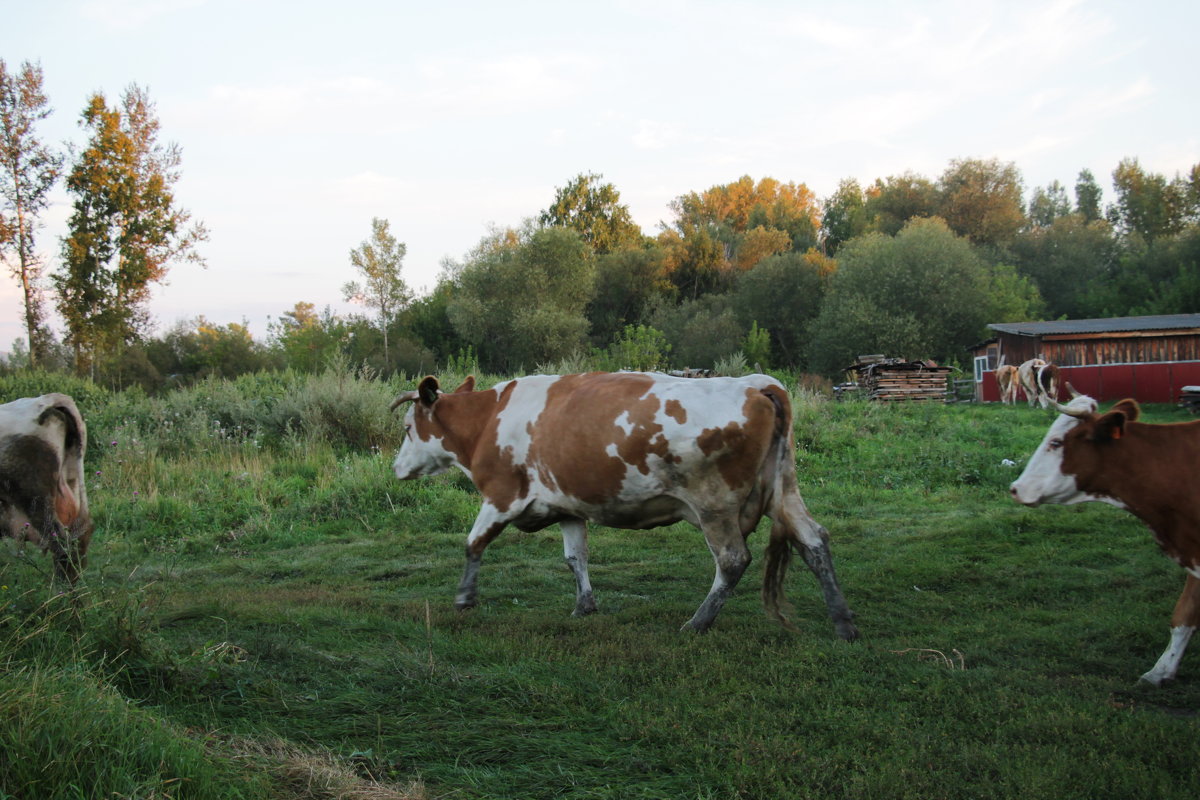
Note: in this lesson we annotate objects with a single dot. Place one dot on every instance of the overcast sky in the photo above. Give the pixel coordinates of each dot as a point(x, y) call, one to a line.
point(300, 121)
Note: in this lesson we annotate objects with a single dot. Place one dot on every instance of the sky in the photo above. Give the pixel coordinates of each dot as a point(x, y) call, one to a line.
point(301, 121)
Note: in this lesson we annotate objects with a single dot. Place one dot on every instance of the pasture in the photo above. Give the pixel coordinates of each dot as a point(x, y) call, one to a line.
point(267, 613)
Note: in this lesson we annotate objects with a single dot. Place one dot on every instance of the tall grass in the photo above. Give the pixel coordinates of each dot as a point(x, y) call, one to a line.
point(273, 604)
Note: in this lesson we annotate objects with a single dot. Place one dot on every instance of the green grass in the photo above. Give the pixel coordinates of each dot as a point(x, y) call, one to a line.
point(251, 603)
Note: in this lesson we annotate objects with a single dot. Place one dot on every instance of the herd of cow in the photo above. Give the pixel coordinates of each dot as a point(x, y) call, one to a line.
point(1036, 377)
point(640, 450)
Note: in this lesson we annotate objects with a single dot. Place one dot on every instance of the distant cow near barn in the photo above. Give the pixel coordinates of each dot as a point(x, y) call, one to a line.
point(1008, 382)
point(1047, 384)
point(42, 494)
point(628, 450)
point(1028, 375)
point(1148, 470)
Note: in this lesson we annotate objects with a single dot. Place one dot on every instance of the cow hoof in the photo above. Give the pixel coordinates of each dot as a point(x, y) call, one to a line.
point(464, 603)
point(1153, 679)
point(584, 610)
point(847, 631)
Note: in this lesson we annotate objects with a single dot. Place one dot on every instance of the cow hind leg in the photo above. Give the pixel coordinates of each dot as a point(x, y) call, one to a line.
point(1183, 625)
point(575, 551)
point(794, 526)
point(731, 555)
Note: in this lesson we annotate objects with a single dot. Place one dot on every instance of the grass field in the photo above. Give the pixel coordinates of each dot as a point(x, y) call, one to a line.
point(268, 614)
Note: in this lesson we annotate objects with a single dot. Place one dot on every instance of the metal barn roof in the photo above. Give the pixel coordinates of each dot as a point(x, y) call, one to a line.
point(1164, 322)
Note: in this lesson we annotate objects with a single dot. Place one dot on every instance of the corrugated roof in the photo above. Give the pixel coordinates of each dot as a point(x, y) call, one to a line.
point(1164, 322)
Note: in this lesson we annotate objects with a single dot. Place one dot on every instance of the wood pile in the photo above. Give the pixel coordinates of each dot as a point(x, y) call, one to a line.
point(890, 379)
point(1189, 398)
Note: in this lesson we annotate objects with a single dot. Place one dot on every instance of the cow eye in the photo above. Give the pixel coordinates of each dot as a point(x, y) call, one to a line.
point(1055, 444)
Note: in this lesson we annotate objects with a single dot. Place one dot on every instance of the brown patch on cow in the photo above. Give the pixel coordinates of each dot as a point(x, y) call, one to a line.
point(583, 424)
point(495, 472)
point(675, 410)
point(740, 447)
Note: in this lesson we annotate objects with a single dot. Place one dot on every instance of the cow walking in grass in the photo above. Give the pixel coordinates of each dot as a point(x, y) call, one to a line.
point(1152, 471)
point(42, 494)
point(628, 450)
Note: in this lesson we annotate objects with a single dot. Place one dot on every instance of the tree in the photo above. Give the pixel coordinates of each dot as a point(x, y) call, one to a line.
point(627, 283)
point(379, 259)
point(1048, 204)
point(701, 331)
point(1147, 204)
point(893, 201)
point(1087, 196)
point(637, 347)
point(29, 169)
point(594, 210)
point(922, 293)
point(743, 205)
point(521, 297)
point(845, 216)
point(981, 199)
point(1070, 261)
point(126, 227)
point(783, 294)
point(306, 339)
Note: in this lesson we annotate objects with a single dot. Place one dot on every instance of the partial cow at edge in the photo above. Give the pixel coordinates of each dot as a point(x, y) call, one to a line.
point(627, 450)
point(1149, 470)
point(42, 494)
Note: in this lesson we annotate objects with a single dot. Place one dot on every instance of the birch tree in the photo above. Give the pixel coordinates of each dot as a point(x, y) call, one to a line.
point(379, 260)
point(28, 169)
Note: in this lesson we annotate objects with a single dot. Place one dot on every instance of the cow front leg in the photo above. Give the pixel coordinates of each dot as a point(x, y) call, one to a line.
point(575, 551)
point(731, 555)
point(1183, 625)
point(487, 527)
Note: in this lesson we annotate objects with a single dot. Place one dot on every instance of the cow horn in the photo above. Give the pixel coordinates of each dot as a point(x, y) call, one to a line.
point(1078, 413)
point(407, 397)
point(1074, 392)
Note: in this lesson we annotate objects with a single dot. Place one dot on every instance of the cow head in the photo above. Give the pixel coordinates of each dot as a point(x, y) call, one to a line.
point(1076, 446)
point(426, 449)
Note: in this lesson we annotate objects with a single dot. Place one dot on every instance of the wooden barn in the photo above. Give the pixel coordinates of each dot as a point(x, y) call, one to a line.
point(1147, 358)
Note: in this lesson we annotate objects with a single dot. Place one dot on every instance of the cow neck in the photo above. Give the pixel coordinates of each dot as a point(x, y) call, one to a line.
point(464, 416)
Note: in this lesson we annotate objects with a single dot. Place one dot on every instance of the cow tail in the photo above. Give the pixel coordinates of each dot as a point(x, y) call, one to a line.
point(779, 545)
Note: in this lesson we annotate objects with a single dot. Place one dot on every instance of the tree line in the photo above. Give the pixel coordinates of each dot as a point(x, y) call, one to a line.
point(756, 271)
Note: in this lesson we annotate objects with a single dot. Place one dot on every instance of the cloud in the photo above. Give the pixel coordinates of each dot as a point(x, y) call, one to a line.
point(652, 135)
point(371, 190)
point(132, 14)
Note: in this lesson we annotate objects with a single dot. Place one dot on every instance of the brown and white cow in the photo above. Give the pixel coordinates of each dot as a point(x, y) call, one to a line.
point(627, 450)
point(1028, 374)
point(1152, 471)
point(1047, 384)
point(42, 494)
point(1008, 382)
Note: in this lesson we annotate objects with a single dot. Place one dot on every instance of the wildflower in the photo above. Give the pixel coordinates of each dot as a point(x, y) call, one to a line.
point(114, 442)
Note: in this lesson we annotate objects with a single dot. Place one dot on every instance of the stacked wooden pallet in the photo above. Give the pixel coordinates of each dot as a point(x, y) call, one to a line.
point(1189, 398)
point(891, 379)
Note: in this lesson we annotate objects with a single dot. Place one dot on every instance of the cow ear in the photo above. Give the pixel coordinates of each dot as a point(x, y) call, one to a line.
point(466, 386)
point(1129, 408)
point(1110, 426)
point(428, 390)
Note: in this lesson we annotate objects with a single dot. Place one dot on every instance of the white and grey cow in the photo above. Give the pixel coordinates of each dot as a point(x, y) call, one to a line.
point(43, 498)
